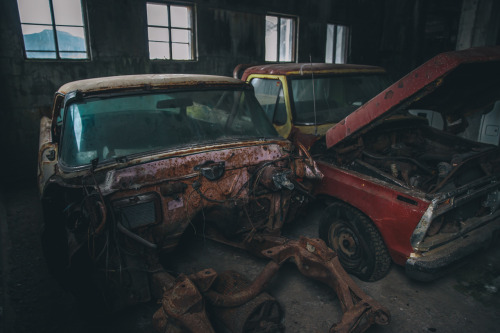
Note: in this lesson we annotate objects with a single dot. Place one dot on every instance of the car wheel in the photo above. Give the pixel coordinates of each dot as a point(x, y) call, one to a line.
point(356, 240)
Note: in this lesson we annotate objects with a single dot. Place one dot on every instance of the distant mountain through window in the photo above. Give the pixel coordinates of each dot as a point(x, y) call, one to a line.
point(44, 41)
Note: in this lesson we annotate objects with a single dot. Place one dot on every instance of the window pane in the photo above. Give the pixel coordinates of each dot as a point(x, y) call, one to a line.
point(71, 39)
point(34, 11)
point(340, 95)
point(38, 38)
point(157, 14)
point(341, 47)
point(41, 55)
point(158, 34)
point(135, 124)
point(73, 55)
point(181, 16)
point(269, 93)
point(181, 51)
point(180, 36)
point(329, 43)
point(271, 38)
point(68, 12)
point(286, 39)
point(159, 50)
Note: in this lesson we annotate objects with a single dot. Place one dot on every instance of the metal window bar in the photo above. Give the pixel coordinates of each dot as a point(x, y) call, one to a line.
point(278, 38)
point(169, 33)
point(57, 25)
point(334, 44)
point(54, 31)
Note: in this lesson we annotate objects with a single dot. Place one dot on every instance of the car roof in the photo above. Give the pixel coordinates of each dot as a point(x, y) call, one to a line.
point(154, 81)
point(308, 68)
point(452, 83)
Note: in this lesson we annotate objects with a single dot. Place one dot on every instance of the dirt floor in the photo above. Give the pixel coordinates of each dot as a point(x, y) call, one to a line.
point(466, 300)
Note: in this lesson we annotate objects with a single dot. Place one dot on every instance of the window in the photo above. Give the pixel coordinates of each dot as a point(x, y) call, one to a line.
point(329, 99)
point(122, 125)
point(337, 43)
point(170, 31)
point(269, 93)
point(53, 29)
point(280, 39)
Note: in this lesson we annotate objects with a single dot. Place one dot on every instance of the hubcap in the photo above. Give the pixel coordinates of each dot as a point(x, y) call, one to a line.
point(345, 242)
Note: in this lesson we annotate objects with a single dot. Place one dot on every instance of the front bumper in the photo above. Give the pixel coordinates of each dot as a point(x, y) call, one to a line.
point(436, 262)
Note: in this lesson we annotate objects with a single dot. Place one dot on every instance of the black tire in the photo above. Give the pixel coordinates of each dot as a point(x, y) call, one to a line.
point(356, 240)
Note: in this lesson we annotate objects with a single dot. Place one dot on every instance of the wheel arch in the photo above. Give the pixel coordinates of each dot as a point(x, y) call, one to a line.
point(327, 200)
point(356, 239)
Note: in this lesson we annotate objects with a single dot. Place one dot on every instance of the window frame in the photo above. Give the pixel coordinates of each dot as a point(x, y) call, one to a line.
point(53, 25)
point(333, 51)
point(192, 29)
point(278, 35)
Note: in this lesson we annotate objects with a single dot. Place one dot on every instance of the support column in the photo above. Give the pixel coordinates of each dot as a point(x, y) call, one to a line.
point(479, 23)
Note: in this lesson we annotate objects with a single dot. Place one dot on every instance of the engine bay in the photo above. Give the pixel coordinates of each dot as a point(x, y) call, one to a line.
point(406, 152)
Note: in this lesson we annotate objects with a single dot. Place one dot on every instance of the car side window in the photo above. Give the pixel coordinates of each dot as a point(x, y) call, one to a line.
point(269, 93)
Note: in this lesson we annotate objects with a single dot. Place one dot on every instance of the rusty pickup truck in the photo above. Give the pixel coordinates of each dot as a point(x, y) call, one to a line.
point(128, 163)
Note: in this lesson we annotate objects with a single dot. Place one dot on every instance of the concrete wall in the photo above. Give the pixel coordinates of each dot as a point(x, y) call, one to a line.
point(229, 32)
point(479, 23)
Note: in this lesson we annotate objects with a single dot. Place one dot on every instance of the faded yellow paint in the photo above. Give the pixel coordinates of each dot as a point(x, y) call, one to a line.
point(286, 129)
point(311, 129)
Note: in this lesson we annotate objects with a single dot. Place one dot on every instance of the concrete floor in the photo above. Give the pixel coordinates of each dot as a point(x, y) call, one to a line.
point(466, 300)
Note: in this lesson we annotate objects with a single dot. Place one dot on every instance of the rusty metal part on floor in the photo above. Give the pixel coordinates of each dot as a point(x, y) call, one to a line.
point(240, 305)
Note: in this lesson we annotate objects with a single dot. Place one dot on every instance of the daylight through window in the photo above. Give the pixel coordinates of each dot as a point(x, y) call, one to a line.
point(170, 31)
point(280, 39)
point(337, 43)
point(53, 29)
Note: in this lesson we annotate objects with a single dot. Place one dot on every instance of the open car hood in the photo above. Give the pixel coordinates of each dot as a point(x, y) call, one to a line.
point(455, 84)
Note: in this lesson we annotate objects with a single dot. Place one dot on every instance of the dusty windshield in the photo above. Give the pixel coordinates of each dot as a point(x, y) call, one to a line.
point(114, 127)
point(333, 97)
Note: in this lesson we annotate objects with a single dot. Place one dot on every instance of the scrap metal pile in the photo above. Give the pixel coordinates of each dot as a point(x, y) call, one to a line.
point(240, 306)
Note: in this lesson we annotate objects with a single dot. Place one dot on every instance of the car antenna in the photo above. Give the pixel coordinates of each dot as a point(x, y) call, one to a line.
point(314, 97)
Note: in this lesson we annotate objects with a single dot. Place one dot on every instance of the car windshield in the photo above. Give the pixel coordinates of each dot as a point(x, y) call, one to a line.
point(333, 97)
point(118, 126)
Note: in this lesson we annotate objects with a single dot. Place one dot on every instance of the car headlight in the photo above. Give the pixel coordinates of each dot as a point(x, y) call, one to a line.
point(139, 211)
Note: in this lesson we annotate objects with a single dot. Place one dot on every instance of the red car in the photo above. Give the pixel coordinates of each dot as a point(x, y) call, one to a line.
point(398, 188)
